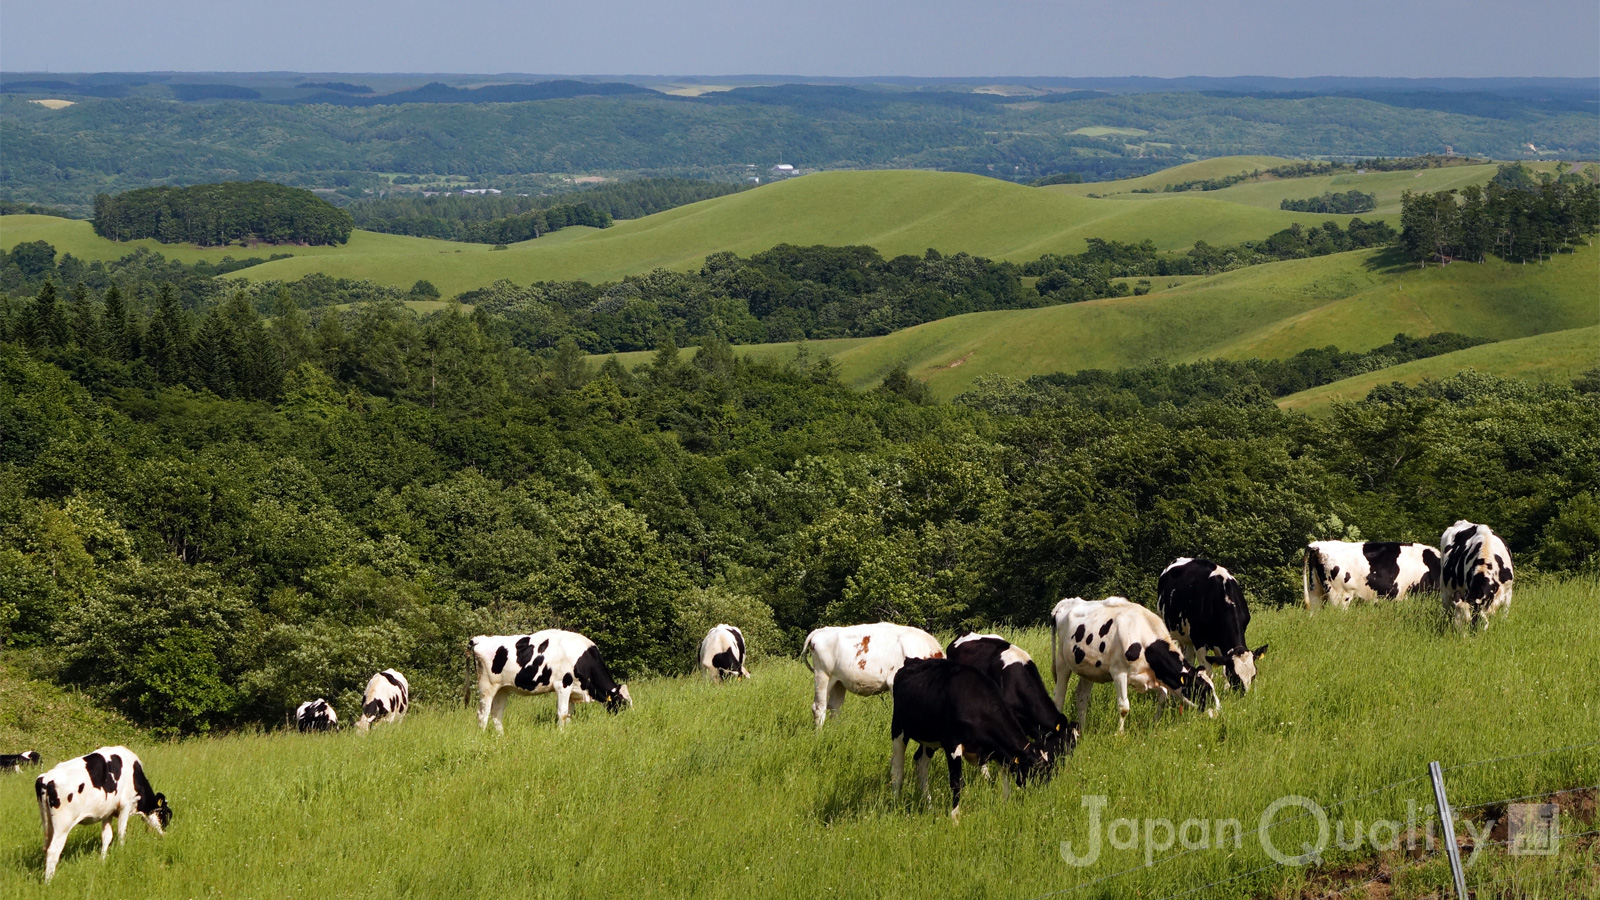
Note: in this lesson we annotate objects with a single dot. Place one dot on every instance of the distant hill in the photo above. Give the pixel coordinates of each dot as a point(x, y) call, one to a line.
point(438, 92)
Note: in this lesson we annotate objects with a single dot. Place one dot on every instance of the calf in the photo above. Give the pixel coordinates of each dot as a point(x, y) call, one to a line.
point(1021, 687)
point(722, 653)
point(387, 698)
point(1202, 604)
point(104, 785)
point(317, 715)
point(1475, 575)
point(861, 659)
point(1121, 642)
point(13, 762)
point(942, 703)
point(564, 663)
point(1337, 572)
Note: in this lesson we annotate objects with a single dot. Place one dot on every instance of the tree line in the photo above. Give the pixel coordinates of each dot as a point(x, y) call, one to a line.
point(216, 214)
point(1518, 216)
point(207, 518)
point(1316, 168)
point(1348, 202)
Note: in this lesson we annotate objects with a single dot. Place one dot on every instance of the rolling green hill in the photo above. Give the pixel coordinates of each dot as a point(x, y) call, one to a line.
point(896, 212)
point(1558, 356)
point(1354, 301)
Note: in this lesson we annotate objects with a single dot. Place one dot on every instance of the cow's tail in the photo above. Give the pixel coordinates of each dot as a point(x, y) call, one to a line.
point(805, 651)
point(471, 674)
point(44, 809)
point(1305, 577)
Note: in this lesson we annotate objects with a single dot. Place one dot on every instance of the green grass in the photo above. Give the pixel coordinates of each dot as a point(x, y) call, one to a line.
point(1216, 167)
point(727, 791)
point(1559, 356)
point(1355, 301)
point(896, 212)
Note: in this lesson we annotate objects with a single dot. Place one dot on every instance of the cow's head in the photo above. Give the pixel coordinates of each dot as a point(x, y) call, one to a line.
point(1198, 690)
point(1063, 737)
point(1034, 762)
point(1240, 665)
point(157, 813)
point(618, 698)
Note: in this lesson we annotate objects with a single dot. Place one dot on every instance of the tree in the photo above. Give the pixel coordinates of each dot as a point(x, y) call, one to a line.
point(48, 327)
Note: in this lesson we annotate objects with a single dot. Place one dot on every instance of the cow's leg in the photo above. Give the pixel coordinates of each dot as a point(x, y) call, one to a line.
point(1121, 681)
point(1085, 689)
point(497, 709)
point(563, 706)
point(897, 763)
point(122, 823)
point(819, 705)
point(56, 842)
point(106, 826)
point(955, 786)
point(1063, 675)
point(923, 758)
point(486, 695)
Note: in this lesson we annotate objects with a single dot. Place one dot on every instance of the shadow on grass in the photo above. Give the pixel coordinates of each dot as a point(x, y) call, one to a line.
point(853, 796)
point(1389, 261)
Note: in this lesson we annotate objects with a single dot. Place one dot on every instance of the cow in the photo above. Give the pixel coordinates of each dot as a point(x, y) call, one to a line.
point(1475, 573)
point(722, 653)
point(13, 762)
point(861, 659)
point(942, 703)
point(104, 785)
point(1119, 641)
point(1203, 606)
point(552, 661)
point(387, 698)
point(1337, 572)
point(1021, 687)
point(317, 715)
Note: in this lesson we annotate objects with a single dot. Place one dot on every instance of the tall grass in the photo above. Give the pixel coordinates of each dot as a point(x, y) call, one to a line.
point(727, 790)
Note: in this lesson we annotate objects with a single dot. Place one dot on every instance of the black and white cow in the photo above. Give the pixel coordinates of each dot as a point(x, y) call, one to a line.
point(1021, 687)
point(722, 653)
point(861, 659)
point(1475, 575)
point(12, 762)
point(1337, 572)
point(108, 784)
point(1203, 606)
point(940, 703)
point(316, 715)
point(564, 663)
point(1118, 641)
point(387, 698)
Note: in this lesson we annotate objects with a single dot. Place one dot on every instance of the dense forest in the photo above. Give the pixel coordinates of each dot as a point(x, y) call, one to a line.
point(215, 214)
point(1518, 216)
point(1346, 202)
point(450, 216)
point(63, 157)
point(205, 519)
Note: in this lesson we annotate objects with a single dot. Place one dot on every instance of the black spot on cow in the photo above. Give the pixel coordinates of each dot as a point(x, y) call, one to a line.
point(725, 662)
point(103, 772)
point(148, 800)
point(1505, 570)
point(500, 657)
point(544, 645)
point(738, 641)
point(524, 651)
point(1097, 664)
point(596, 681)
point(1430, 581)
point(566, 680)
point(1132, 653)
point(1102, 646)
point(1078, 635)
point(529, 677)
point(375, 708)
point(1165, 663)
point(1077, 654)
point(396, 682)
point(48, 789)
point(1333, 572)
point(1105, 628)
point(1383, 567)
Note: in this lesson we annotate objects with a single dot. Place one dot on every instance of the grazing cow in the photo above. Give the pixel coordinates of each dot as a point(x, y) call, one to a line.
point(722, 653)
point(1119, 641)
point(1021, 687)
point(13, 762)
point(387, 698)
point(1475, 574)
point(942, 703)
point(107, 784)
point(317, 715)
point(1337, 572)
point(1203, 606)
point(552, 661)
point(861, 659)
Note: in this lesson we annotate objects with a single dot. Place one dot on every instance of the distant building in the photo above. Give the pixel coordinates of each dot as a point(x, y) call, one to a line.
point(784, 169)
point(480, 190)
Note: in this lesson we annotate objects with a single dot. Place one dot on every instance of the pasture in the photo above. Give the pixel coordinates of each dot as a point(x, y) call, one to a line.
point(1355, 301)
point(727, 791)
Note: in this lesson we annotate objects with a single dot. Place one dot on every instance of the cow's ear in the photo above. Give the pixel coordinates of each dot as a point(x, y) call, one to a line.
point(1261, 651)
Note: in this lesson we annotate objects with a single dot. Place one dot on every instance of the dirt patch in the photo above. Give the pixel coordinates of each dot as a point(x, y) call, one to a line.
point(54, 104)
point(956, 363)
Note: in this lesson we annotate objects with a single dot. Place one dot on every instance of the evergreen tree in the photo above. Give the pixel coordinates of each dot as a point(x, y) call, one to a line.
point(166, 342)
point(86, 328)
point(48, 327)
point(117, 329)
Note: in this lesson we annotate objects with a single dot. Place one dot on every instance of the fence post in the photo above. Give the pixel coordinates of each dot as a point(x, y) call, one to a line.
point(1447, 824)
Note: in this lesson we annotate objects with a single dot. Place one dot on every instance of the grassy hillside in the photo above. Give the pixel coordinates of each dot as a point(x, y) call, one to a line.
point(1355, 301)
point(897, 212)
point(1560, 356)
point(726, 791)
point(1216, 167)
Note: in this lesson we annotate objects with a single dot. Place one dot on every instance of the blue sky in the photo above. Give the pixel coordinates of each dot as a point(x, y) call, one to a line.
point(1407, 38)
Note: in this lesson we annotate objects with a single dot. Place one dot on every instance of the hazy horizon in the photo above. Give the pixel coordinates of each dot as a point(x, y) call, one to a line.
point(823, 39)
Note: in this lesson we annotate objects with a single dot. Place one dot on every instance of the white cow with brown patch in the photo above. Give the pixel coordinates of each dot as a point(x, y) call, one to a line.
point(1118, 641)
point(861, 659)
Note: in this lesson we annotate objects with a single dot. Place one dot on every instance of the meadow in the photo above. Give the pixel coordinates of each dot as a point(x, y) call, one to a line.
point(727, 790)
point(1355, 301)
